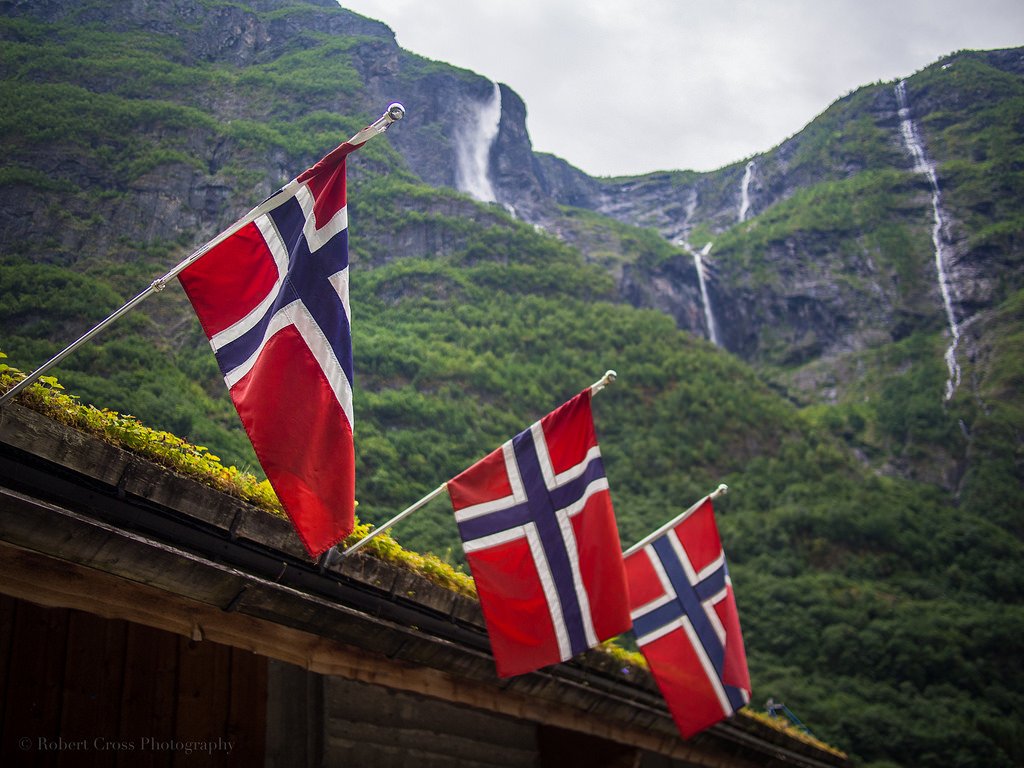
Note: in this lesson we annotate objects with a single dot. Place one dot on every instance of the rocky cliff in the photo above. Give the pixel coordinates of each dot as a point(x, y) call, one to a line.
point(849, 259)
point(819, 247)
point(782, 293)
point(813, 253)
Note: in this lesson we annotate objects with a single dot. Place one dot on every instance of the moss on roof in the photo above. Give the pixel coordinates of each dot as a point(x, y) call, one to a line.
point(48, 396)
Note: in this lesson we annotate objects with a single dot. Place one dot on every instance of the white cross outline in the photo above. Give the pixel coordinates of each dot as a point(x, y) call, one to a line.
point(683, 622)
point(295, 313)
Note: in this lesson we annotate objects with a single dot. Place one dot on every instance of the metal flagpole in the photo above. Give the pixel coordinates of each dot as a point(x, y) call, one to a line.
point(721, 490)
point(596, 387)
point(394, 113)
point(396, 519)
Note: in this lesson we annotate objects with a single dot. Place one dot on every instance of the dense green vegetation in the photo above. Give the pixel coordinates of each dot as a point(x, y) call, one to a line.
point(883, 608)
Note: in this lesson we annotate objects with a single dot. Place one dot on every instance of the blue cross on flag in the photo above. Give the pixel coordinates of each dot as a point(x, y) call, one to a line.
point(686, 623)
point(538, 529)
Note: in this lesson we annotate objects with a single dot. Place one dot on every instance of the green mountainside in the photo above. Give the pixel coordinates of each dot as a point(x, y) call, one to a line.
point(875, 535)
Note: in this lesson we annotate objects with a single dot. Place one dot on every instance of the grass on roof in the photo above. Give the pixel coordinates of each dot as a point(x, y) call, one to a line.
point(48, 397)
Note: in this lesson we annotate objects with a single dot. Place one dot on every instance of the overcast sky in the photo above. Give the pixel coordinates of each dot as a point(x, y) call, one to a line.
point(621, 88)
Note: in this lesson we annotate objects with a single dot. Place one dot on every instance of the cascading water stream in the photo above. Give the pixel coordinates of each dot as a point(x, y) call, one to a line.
point(748, 174)
point(922, 164)
point(698, 262)
point(474, 149)
point(709, 317)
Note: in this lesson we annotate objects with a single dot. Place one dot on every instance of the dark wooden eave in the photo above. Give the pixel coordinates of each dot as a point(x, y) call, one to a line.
point(84, 524)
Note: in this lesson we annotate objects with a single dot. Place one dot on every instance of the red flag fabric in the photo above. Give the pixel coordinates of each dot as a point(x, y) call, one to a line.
point(539, 532)
point(272, 297)
point(686, 622)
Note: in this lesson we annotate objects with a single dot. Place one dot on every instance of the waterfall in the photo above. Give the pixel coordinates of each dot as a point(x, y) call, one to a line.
point(748, 173)
point(475, 138)
point(709, 317)
point(702, 280)
point(698, 262)
point(923, 165)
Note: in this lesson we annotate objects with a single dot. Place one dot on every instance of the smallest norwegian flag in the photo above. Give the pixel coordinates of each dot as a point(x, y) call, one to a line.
point(686, 622)
point(539, 532)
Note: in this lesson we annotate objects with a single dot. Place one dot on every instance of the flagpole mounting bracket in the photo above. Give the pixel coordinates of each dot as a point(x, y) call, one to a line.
point(396, 111)
point(392, 114)
point(604, 381)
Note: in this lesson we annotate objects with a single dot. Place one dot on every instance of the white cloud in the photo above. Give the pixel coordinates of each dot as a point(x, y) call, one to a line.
point(618, 88)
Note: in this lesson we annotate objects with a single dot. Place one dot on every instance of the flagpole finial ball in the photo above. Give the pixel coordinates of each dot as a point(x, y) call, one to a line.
point(396, 111)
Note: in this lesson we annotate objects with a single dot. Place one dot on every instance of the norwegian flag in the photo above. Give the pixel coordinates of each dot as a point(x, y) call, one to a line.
point(539, 532)
point(686, 623)
point(272, 297)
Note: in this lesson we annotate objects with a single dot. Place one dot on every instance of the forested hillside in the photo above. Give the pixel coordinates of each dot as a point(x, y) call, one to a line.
point(873, 528)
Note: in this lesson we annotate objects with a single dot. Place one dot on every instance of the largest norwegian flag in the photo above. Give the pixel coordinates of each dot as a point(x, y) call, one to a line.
point(539, 532)
point(272, 297)
point(686, 622)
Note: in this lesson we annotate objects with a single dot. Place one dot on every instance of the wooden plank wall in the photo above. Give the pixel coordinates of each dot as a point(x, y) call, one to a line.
point(372, 725)
point(80, 690)
point(295, 717)
point(366, 725)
